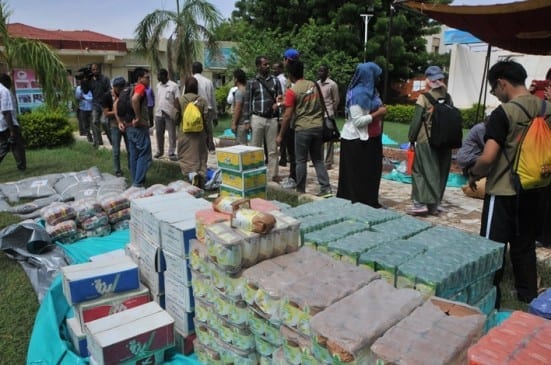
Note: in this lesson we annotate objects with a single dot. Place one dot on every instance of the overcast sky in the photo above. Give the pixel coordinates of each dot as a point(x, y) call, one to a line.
point(116, 18)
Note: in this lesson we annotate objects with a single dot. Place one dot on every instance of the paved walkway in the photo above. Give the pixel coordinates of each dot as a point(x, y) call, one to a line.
point(460, 211)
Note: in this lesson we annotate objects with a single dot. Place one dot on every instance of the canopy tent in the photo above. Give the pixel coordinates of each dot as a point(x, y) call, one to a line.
point(521, 26)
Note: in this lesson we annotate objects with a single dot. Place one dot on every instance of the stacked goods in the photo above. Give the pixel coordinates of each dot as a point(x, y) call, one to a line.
point(523, 338)
point(410, 253)
point(60, 222)
point(249, 237)
point(344, 332)
point(99, 289)
point(438, 332)
point(243, 171)
point(140, 335)
point(161, 229)
point(388, 256)
point(90, 218)
point(456, 265)
point(223, 333)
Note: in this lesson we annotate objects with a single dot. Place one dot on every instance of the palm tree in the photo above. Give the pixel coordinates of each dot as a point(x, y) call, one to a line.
point(190, 26)
point(34, 54)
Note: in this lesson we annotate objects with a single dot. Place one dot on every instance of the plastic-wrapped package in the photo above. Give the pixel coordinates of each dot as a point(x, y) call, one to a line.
point(181, 185)
point(316, 291)
point(262, 327)
point(198, 254)
point(403, 227)
point(57, 212)
point(65, 231)
point(286, 233)
point(295, 346)
point(346, 329)
point(95, 221)
point(438, 332)
point(29, 207)
point(86, 208)
point(253, 220)
point(224, 247)
point(113, 203)
point(266, 282)
point(119, 215)
point(350, 248)
point(206, 217)
point(159, 189)
point(100, 231)
point(134, 192)
point(121, 225)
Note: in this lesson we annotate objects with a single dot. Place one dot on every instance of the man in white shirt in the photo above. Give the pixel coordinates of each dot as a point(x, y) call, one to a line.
point(10, 134)
point(165, 114)
point(330, 92)
point(206, 90)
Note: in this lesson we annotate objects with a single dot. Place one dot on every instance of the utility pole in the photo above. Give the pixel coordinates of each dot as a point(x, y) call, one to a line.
point(366, 18)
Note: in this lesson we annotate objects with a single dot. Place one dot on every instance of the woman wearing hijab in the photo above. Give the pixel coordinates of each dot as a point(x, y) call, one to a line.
point(361, 156)
point(431, 166)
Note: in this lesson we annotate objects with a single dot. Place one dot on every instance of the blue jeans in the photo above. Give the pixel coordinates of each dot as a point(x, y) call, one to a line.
point(309, 141)
point(139, 153)
point(116, 135)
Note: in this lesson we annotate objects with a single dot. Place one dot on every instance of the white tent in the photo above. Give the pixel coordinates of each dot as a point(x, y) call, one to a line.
point(467, 71)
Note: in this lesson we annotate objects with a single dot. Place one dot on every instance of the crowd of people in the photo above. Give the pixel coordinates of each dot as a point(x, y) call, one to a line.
point(283, 112)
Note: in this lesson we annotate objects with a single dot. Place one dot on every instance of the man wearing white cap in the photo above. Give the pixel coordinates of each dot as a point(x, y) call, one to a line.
point(431, 166)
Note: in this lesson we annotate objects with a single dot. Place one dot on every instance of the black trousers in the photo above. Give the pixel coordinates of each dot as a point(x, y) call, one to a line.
point(515, 221)
point(16, 146)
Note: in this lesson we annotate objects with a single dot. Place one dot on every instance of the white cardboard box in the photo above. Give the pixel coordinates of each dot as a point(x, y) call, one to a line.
point(176, 237)
point(78, 337)
point(177, 268)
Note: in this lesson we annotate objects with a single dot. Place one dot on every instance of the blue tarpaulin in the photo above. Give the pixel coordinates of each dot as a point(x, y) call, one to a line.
point(49, 343)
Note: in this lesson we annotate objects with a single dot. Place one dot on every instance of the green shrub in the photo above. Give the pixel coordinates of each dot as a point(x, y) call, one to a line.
point(400, 113)
point(404, 113)
point(46, 128)
point(469, 116)
point(221, 95)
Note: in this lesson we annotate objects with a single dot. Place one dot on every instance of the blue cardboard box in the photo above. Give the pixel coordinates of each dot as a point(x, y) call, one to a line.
point(92, 280)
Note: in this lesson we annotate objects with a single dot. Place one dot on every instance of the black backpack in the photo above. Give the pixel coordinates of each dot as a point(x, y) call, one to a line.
point(447, 124)
point(124, 105)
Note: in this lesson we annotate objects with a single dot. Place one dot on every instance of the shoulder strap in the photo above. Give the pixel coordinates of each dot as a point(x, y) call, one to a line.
point(430, 98)
point(324, 108)
point(266, 87)
point(524, 109)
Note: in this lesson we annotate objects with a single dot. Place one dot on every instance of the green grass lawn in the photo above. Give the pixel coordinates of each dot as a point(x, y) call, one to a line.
point(18, 302)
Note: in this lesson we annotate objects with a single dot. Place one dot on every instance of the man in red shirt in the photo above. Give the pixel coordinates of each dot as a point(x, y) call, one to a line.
point(139, 142)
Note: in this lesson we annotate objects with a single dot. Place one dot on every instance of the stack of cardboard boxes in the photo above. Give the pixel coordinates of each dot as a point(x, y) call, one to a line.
point(243, 171)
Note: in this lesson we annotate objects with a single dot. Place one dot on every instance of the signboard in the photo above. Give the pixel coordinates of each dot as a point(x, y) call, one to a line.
point(221, 60)
point(27, 90)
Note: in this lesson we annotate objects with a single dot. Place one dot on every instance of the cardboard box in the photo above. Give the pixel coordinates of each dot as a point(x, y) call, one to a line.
point(132, 335)
point(259, 192)
point(174, 211)
point(98, 308)
point(108, 255)
point(92, 280)
point(183, 320)
point(155, 281)
point(151, 257)
point(180, 294)
point(78, 337)
point(244, 180)
point(240, 158)
point(177, 268)
point(175, 237)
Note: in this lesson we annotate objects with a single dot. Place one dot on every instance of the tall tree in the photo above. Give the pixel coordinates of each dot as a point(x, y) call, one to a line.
point(190, 27)
point(333, 26)
point(34, 54)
